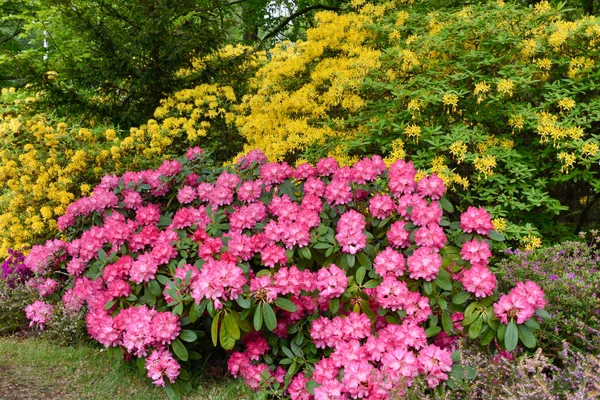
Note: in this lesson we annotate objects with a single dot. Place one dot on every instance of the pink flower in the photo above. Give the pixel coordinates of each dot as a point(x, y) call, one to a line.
point(304, 171)
point(479, 280)
point(477, 252)
point(331, 282)
point(39, 313)
point(218, 280)
point(398, 236)
point(381, 206)
point(350, 232)
point(402, 178)
point(160, 364)
point(193, 153)
point(250, 191)
point(164, 328)
point(431, 186)
point(434, 363)
point(424, 263)
point(274, 173)
point(148, 215)
point(389, 261)
point(255, 156)
point(476, 219)
point(327, 166)
point(430, 235)
point(338, 192)
point(186, 194)
point(143, 269)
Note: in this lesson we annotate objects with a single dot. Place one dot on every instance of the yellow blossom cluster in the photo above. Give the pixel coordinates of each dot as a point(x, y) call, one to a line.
point(302, 86)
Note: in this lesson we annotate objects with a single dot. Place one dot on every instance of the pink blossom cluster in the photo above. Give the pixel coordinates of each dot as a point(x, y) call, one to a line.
point(160, 364)
point(39, 313)
point(520, 303)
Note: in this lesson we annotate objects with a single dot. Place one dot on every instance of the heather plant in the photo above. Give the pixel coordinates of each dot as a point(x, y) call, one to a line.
point(569, 275)
point(526, 376)
point(497, 99)
point(317, 279)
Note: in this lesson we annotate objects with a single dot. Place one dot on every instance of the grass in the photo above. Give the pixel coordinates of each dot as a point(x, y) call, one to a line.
point(34, 368)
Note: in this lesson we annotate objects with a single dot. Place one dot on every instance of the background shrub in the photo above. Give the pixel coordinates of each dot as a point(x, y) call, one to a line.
point(498, 99)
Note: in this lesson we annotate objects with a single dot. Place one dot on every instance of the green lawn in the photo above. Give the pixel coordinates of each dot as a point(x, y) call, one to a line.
point(37, 369)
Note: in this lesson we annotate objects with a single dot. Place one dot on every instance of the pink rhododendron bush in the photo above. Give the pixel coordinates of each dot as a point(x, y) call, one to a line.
point(322, 281)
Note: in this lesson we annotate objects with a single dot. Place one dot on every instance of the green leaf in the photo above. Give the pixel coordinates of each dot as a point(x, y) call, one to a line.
point(532, 324)
point(487, 337)
point(258, 317)
point(497, 236)
point(511, 337)
point(171, 392)
point(110, 304)
point(432, 331)
point(178, 310)
point(214, 329)
point(373, 283)
point(475, 328)
point(443, 280)
point(188, 336)
point(364, 260)
point(472, 317)
point(461, 297)
point(350, 260)
point(286, 304)
point(360, 275)
point(305, 252)
point(243, 302)
point(543, 314)
point(154, 288)
point(446, 205)
point(269, 317)
point(427, 288)
point(226, 339)
point(179, 350)
point(334, 305)
point(527, 338)
point(232, 327)
point(447, 323)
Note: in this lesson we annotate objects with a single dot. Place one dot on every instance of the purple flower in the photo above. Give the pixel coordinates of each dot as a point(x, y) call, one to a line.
point(553, 277)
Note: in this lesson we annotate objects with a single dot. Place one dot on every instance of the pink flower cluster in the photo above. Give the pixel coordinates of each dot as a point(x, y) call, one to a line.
point(520, 303)
point(39, 313)
point(261, 233)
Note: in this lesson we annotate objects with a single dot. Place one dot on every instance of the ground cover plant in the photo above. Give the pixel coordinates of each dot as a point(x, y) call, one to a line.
point(320, 279)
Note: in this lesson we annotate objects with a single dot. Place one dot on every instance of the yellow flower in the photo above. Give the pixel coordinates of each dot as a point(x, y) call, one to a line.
point(516, 121)
point(485, 165)
point(413, 131)
point(499, 224)
point(459, 150)
point(450, 100)
point(481, 90)
point(566, 104)
point(531, 242)
point(568, 160)
point(506, 87)
point(589, 149)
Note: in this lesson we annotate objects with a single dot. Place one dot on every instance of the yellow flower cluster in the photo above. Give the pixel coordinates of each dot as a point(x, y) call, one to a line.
point(485, 164)
point(531, 242)
point(301, 86)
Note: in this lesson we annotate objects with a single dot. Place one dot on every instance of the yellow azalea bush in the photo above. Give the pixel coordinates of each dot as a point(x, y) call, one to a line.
point(500, 100)
point(45, 163)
